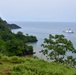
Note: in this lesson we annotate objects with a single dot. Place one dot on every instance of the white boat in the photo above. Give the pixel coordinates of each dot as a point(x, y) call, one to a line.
point(68, 31)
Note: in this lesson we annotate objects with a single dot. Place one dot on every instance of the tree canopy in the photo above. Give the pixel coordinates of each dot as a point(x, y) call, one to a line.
point(14, 44)
point(56, 48)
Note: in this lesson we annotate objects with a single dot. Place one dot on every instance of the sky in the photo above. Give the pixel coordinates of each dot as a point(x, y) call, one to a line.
point(38, 10)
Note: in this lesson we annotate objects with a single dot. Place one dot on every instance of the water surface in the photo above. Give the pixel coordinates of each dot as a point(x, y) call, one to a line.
point(42, 30)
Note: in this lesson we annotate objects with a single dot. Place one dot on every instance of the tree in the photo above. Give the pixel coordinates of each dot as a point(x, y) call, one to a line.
point(26, 38)
point(56, 48)
point(14, 44)
point(2, 46)
point(14, 47)
point(18, 48)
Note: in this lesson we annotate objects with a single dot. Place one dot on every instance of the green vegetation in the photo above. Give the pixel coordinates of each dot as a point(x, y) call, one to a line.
point(32, 66)
point(14, 44)
point(56, 48)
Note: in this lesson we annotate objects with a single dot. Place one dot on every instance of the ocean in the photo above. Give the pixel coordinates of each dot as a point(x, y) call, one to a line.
point(42, 30)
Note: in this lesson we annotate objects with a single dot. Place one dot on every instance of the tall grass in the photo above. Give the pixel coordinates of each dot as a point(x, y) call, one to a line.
point(33, 66)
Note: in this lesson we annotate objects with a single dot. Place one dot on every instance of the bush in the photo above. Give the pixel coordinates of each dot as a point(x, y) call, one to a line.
point(15, 59)
point(5, 58)
point(0, 56)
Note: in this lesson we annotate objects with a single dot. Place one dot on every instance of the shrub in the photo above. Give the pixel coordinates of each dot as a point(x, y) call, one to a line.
point(15, 59)
point(5, 58)
point(0, 56)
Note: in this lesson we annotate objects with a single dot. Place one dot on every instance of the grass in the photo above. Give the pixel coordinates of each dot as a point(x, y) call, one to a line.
point(30, 66)
point(5, 68)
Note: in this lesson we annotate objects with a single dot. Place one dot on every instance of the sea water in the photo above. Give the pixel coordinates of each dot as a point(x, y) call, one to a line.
point(42, 30)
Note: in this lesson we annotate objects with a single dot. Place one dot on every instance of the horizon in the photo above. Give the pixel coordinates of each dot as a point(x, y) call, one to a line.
point(38, 10)
point(41, 21)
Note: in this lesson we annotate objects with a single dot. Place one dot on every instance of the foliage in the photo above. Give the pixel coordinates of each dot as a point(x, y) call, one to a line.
point(14, 44)
point(56, 47)
point(31, 66)
point(26, 38)
point(15, 59)
point(18, 48)
point(5, 58)
point(3, 26)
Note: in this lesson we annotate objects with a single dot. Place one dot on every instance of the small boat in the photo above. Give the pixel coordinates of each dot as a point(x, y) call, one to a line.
point(68, 31)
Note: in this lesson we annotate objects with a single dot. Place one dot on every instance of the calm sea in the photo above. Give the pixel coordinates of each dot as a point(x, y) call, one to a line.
point(42, 30)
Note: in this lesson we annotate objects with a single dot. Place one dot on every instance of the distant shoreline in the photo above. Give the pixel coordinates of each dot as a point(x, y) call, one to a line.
point(13, 26)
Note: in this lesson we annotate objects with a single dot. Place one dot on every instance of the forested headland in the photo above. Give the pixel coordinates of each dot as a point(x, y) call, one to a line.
point(14, 44)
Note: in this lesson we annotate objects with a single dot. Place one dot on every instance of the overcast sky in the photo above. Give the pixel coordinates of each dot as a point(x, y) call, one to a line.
point(38, 10)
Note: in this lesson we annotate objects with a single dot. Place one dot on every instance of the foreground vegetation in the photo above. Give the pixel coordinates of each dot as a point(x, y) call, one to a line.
point(56, 47)
point(32, 66)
